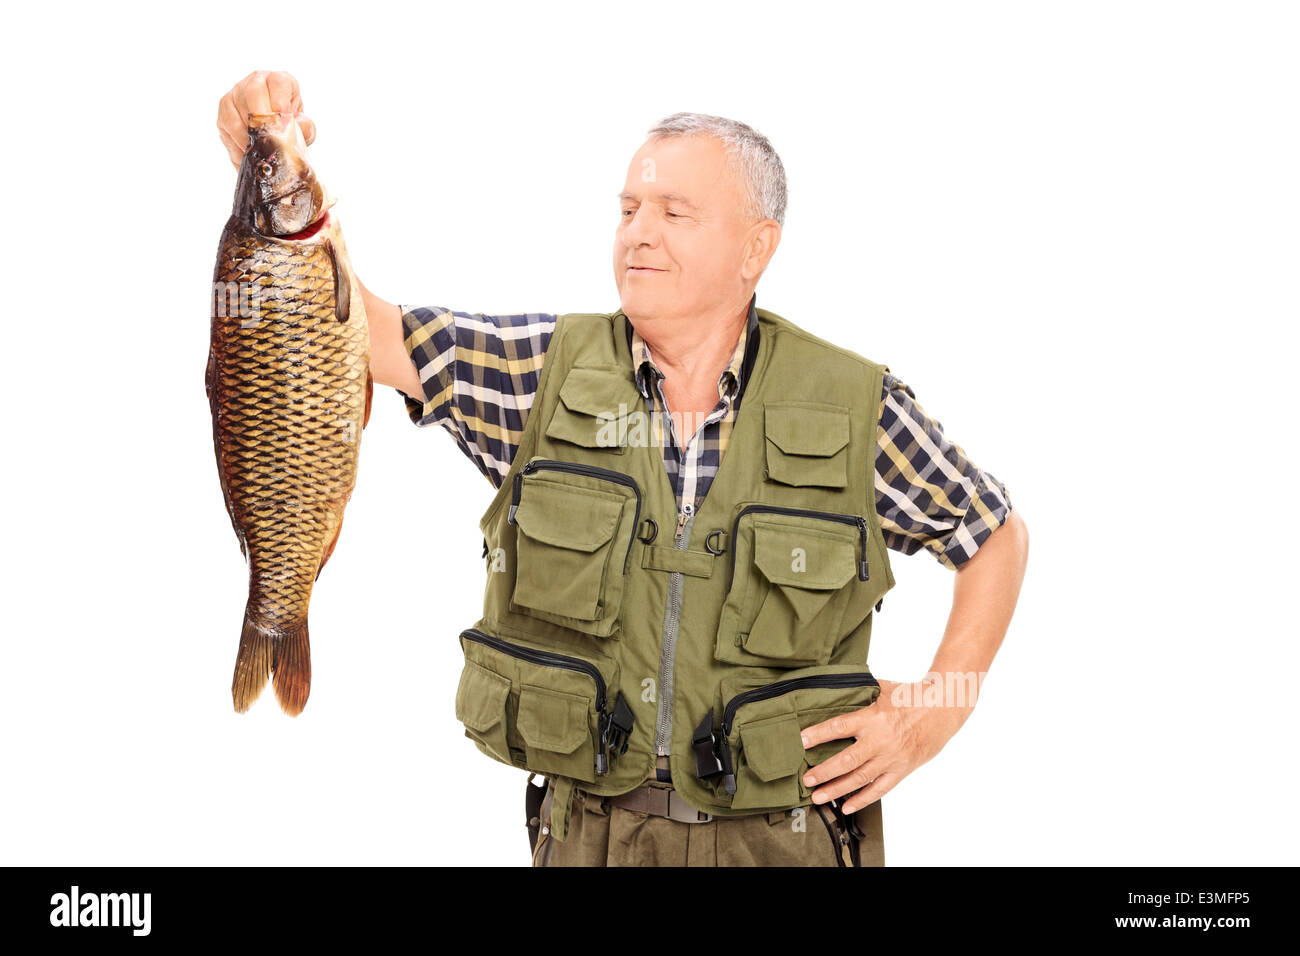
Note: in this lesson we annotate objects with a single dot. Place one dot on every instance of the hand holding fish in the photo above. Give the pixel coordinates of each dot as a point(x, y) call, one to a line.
point(261, 92)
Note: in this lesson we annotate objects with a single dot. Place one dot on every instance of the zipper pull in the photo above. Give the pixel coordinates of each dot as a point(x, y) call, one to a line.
point(682, 515)
point(864, 573)
point(602, 755)
point(514, 495)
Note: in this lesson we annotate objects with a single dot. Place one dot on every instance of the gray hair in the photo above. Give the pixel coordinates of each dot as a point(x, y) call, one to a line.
point(752, 156)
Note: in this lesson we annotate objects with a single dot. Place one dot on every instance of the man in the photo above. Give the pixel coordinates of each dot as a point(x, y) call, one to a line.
point(701, 702)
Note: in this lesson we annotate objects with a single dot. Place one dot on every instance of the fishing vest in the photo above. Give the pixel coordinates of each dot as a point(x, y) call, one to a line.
point(616, 628)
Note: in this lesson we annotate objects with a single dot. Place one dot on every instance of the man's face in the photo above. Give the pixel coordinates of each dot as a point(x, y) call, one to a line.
point(683, 231)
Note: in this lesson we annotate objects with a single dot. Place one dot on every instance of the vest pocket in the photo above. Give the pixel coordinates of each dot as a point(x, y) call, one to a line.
point(772, 755)
point(575, 525)
point(793, 574)
point(541, 710)
point(761, 758)
point(555, 732)
point(481, 707)
point(806, 443)
point(593, 410)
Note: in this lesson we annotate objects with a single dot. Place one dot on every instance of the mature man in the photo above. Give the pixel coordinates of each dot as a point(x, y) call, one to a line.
point(694, 697)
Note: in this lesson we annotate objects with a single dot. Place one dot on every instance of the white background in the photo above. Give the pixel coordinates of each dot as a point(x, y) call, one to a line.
point(1071, 228)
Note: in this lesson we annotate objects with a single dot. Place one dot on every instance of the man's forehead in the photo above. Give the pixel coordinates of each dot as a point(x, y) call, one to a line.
point(687, 170)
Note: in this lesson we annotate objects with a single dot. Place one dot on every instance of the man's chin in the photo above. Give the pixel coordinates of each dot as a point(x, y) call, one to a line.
point(636, 305)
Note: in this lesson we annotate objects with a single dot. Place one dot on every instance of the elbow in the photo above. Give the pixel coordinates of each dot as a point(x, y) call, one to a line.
point(1019, 532)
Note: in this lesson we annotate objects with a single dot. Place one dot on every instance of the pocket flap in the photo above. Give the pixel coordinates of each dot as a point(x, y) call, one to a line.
point(804, 558)
point(576, 518)
point(773, 748)
point(595, 391)
point(806, 428)
point(552, 720)
point(481, 697)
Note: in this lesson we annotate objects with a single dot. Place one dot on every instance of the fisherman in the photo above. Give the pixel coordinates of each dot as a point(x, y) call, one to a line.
point(724, 670)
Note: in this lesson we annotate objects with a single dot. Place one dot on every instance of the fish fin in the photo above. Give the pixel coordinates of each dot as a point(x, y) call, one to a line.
point(291, 670)
point(370, 394)
point(342, 288)
point(253, 665)
point(329, 550)
point(210, 378)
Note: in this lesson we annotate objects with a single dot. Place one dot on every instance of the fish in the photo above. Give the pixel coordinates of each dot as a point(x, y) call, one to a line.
point(289, 387)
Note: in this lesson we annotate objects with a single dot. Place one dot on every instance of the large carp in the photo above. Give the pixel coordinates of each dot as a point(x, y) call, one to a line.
point(288, 381)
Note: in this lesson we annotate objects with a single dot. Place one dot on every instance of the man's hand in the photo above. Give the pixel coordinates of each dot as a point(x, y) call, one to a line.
point(262, 91)
point(902, 729)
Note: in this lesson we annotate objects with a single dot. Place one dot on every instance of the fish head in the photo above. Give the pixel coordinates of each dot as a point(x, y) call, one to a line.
point(277, 194)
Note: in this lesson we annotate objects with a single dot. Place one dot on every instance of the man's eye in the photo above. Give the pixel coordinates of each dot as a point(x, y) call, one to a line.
point(672, 214)
point(628, 212)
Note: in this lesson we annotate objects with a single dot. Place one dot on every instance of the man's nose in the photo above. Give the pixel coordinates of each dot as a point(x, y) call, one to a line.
point(641, 230)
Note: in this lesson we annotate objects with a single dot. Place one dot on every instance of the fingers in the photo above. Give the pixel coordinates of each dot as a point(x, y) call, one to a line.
point(252, 95)
point(860, 777)
point(869, 795)
point(846, 761)
point(282, 94)
point(233, 129)
point(262, 91)
point(843, 725)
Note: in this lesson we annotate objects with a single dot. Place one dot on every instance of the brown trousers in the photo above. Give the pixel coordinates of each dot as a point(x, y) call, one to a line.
point(603, 835)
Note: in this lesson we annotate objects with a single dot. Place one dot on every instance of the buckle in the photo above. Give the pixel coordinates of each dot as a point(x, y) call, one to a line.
point(712, 754)
point(615, 730)
point(683, 812)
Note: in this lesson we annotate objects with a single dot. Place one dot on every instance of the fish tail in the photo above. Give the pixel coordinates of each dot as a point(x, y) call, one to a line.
point(266, 653)
point(291, 667)
point(253, 665)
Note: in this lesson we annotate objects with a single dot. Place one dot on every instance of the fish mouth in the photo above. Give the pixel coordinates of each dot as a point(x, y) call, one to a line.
point(304, 234)
point(311, 230)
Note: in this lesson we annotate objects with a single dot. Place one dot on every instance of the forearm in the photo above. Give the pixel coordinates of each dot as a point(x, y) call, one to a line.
point(390, 362)
point(984, 600)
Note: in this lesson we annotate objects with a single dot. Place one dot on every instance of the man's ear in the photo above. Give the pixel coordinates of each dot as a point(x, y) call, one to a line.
point(760, 245)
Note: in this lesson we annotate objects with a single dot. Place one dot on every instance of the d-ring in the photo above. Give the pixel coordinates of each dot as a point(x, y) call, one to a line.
point(654, 531)
point(709, 538)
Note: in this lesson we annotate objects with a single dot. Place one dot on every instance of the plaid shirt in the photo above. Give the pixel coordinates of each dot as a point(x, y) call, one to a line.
point(480, 375)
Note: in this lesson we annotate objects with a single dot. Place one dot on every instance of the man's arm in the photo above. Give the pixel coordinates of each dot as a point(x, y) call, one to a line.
point(929, 495)
point(390, 362)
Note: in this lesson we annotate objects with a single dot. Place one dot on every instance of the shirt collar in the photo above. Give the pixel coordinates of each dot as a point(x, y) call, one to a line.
point(731, 383)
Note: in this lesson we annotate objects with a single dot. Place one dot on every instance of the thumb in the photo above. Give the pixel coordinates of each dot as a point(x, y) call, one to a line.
point(308, 129)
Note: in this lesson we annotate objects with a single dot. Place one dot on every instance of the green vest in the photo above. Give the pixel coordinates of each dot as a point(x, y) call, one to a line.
point(615, 629)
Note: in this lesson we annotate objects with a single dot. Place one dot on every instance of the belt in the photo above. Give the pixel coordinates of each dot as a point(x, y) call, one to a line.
point(659, 802)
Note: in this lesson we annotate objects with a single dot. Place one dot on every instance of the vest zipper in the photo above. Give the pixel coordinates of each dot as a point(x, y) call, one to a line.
point(564, 661)
point(664, 729)
point(577, 468)
point(861, 522)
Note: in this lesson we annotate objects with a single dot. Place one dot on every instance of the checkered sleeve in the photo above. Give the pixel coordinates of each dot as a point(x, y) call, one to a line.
point(928, 492)
point(479, 374)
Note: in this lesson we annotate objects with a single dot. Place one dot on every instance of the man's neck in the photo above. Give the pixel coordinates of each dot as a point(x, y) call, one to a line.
point(693, 352)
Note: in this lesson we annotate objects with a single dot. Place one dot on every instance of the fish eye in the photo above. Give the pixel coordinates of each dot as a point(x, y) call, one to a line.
point(266, 169)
